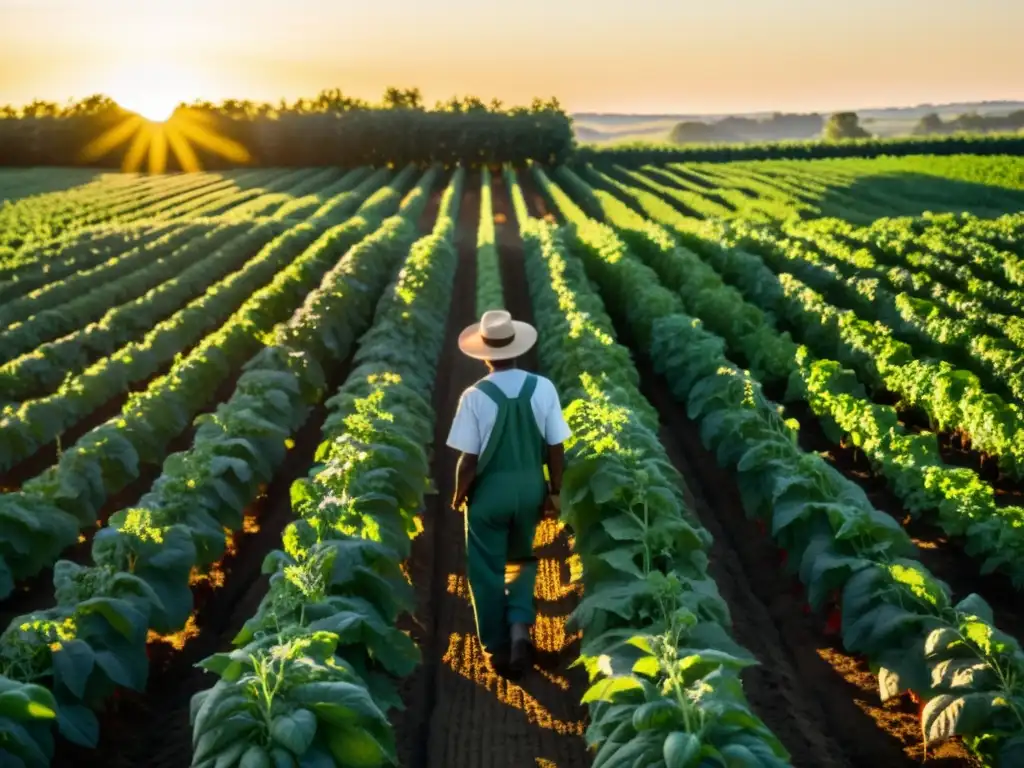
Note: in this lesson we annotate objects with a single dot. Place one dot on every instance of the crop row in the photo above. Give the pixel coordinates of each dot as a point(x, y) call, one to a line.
point(917, 321)
point(324, 637)
point(85, 249)
point(63, 305)
point(489, 294)
point(953, 398)
point(665, 687)
point(144, 558)
point(912, 464)
point(35, 221)
point(220, 199)
point(892, 610)
point(69, 495)
point(44, 368)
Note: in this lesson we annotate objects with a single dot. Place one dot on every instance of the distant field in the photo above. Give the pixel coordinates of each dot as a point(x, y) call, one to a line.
point(615, 129)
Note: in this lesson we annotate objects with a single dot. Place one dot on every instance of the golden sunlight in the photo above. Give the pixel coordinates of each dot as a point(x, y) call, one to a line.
point(150, 140)
point(151, 89)
point(465, 657)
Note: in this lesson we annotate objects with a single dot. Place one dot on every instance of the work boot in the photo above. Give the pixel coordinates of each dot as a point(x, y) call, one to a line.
point(522, 650)
point(499, 661)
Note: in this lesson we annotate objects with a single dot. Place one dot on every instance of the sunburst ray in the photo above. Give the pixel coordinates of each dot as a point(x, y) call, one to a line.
point(151, 142)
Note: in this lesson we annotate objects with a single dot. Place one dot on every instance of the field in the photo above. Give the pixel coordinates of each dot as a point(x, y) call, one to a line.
point(608, 129)
point(793, 513)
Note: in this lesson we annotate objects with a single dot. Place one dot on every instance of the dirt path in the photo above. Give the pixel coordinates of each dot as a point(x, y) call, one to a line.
point(459, 713)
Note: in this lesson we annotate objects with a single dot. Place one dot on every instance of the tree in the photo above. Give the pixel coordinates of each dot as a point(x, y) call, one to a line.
point(91, 105)
point(402, 98)
point(844, 125)
point(39, 108)
point(930, 123)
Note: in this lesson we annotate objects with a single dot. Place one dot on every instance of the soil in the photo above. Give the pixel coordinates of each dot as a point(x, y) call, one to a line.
point(459, 712)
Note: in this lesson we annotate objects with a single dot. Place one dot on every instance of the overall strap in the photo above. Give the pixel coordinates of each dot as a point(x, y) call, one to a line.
point(492, 390)
point(529, 387)
point(516, 436)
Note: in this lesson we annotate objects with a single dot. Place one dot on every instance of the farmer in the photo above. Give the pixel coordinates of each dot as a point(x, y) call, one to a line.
point(508, 425)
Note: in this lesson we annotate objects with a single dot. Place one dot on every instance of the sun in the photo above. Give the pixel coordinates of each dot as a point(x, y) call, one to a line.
point(152, 90)
point(154, 107)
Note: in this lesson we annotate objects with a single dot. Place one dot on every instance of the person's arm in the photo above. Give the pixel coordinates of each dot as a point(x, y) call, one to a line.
point(556, 461)
point(556, 432)
point(464, 438)
point(465, 474)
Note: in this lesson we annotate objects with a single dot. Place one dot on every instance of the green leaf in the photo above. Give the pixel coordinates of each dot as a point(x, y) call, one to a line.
point(338, 702)
point(655, 714)
point(623, 527)
point(975, 605)
point(609, 688)
point(647, 665)
point(946, 716)
point(1012, 751)
point(239, 727)
point(294, 731)
point(18, 705)
point(78, 725)
point(19, 741)
point(606, 486)
point(739, 756)
point(72, 664)
point(622, 559)
point(229, 757)
point(255, 757)
point(120, 614)
point(681, 749)
point(282, 758)
point(888, 684)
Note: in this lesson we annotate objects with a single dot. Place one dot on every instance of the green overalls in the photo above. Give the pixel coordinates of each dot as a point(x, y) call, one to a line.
point(504, 510)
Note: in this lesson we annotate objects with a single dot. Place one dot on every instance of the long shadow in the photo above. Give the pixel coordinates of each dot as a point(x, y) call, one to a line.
point(672, 179)
point(635, 179)
point(692, 176)
point(912, 194)
point(18, 184)
point(596, 179)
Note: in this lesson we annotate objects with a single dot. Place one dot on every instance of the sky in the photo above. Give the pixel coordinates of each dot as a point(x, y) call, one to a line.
point(639, 56)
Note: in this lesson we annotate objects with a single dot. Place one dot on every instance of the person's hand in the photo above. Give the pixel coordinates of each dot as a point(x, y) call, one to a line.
point(552, 505)
point(458, 502)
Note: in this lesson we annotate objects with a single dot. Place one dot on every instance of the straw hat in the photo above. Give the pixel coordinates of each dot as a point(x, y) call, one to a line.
point(497, 337)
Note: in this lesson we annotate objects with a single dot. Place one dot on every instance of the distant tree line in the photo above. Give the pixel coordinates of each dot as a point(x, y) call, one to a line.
point(736, 130)
point(332, 129)
point(329, 129)
point(634, 155)
point(778, 127)
point(970, 122)
point(839, 126)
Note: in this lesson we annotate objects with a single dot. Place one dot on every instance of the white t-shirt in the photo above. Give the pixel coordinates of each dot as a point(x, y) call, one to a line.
point(477, 413)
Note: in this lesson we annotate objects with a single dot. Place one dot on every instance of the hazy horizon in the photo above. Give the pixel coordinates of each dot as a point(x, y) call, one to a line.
point(638, 57)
